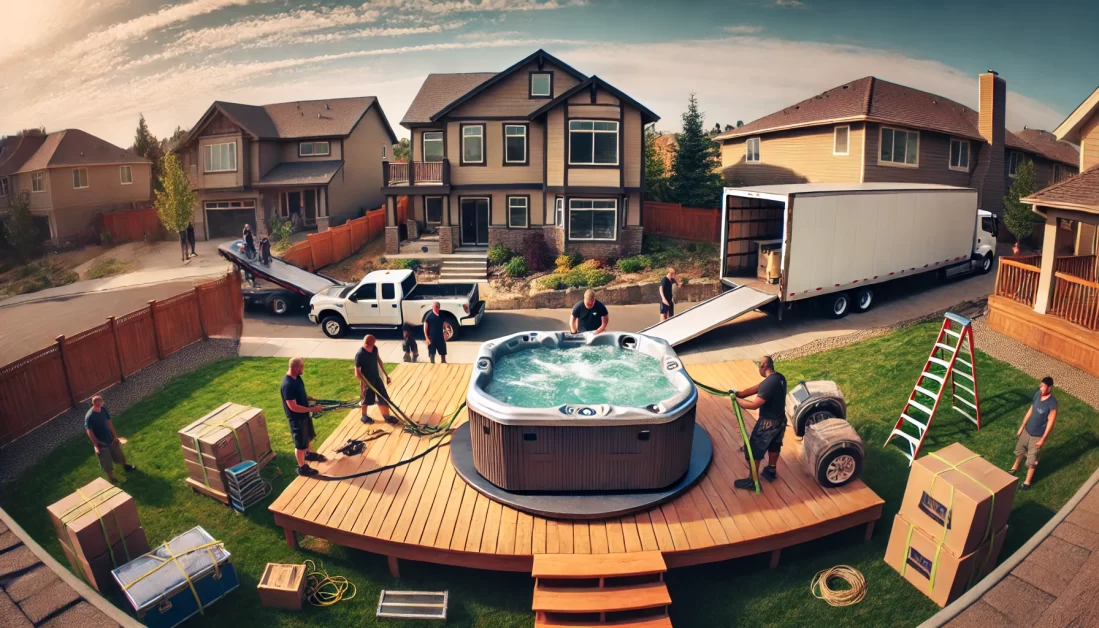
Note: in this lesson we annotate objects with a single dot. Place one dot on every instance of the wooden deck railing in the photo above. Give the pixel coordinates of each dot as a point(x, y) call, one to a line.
point(421, 172)
point(394, 172)
point(1079, 266)
point(1017, 281)
point(1076, 300)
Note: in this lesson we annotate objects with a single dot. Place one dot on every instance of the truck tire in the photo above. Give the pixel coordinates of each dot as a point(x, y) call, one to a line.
point(864, 299)
point(333, 325)
point(450, 323)
point(986, 264)
point(839, 304)
point(839, 467)
point(278, 304)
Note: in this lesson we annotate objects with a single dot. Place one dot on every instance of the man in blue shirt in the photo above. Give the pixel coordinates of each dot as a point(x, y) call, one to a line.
point(297, 405)
point(97, 423)
point(1037, 424)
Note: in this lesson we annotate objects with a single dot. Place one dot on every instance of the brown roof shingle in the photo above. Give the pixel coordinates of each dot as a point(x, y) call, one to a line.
point(334, 117)
point(16, 151)
point(1079, 192)
point(1047, 145)
point(438, 91)
point(301, 173)
point(73, 147)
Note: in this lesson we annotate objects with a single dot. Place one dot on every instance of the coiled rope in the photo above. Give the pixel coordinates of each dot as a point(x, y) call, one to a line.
point(821, 588)
point(322, 589)
point(731, 394)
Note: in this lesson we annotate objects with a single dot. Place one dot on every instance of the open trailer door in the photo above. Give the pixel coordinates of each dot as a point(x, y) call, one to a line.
point(709, 314)
point(278, 272)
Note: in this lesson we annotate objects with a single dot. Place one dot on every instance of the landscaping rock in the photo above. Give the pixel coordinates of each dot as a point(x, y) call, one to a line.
point(626, 294)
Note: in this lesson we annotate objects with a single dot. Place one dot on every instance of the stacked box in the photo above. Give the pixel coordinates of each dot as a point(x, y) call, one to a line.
point(952, 522)
point(229, 435)
point(245, 486)
point(99, 530)
point(282, 586)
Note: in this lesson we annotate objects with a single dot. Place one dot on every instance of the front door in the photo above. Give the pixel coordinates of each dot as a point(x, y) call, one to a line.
point(293, 208)
point(310, 198)
point(474, 221)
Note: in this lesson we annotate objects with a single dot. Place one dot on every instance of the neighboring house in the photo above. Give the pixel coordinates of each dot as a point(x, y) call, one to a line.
point(539, 147)
point(72, 177)
point(317, 163)
point(872, 130)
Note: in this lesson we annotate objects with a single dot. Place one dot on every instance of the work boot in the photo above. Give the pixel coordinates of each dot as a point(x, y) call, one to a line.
point(313, 456)
point(366, 419)
point(747, 484)
point(769, 473)
point(129, 467)
point(390, 419)
point(307, 471)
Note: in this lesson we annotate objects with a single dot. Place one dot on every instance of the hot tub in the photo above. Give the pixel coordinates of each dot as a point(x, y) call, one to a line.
point(553, 412)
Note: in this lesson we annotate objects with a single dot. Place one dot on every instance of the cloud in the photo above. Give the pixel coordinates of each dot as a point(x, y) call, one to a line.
point(788, 4)
point(447, 7)
point(743, 29)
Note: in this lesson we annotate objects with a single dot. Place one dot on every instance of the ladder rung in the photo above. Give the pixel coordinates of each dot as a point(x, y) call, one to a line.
point(919, 426)
point(933, 376)
point(920, 406)
point(939, 345)
point(942, 363)
point(952, 333)
point(927, 392)
point(965, 401)
point(968, 390)
point(965, 375)
point(965, 363)
point(912, 439)
point(965, 414)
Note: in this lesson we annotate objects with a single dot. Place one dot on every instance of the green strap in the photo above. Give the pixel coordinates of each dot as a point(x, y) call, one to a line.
point(740, 423)
point(201, 464)
point(990, 534)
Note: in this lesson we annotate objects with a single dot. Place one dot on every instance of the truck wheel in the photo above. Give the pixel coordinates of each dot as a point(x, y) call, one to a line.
point(839, 304)
point(333, 326)
point(278, 304)
point(812, 418)
point(451, 328)
point(986, 264)
point(864, 298)
point(839, 467)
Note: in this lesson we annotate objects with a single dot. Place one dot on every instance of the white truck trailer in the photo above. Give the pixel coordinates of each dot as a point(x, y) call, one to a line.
point(835, 243)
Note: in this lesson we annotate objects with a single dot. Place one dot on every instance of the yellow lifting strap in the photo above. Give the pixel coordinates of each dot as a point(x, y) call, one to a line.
point(174, 559)
point(209, 427)
point(93, 501)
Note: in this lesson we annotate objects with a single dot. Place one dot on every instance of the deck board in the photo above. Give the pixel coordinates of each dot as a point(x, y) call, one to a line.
point(425, 511)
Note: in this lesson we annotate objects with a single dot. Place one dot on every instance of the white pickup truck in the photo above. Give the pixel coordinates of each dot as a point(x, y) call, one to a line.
point(387, 299)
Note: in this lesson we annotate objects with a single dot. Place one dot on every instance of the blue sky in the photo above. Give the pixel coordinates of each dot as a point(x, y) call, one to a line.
point(97, 64)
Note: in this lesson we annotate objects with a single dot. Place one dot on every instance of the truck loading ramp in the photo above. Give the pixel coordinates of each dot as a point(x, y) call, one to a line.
point(278, 272)
point(709, 314)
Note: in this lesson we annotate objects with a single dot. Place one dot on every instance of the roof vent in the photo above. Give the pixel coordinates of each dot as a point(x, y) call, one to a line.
point(326, 106)
point(994, 73)
point(846, 86)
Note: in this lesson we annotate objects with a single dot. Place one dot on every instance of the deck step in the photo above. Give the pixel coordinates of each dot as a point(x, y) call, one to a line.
point(553, 599)
point(541, 621)
point(586, 566)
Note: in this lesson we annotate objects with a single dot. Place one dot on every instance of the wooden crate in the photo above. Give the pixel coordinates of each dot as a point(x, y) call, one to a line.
point(282, 586)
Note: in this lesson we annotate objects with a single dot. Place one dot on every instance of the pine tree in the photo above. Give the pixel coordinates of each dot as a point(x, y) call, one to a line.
point(695, 179)
point(656, 174)
point(148, 147)
point(19, 230)
point(176, 201)
point(1018, 218)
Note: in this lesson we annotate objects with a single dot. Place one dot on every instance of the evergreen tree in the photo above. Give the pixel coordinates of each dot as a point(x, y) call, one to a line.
point(147, 146)
point(175, 202)
point(1018, 218)
point(19, 229)
point(656, 174)
point(696, 180)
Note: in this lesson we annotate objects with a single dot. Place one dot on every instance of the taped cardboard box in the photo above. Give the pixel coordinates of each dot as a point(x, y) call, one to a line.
point(97, 515)
point(225, 435)
point(934, 570)
point(96, 570)
point(956, 489)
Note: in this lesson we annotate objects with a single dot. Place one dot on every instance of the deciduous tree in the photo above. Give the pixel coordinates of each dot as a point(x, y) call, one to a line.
point(176, 201)
point(695, 180)
point(402, 151)
point(656, 174)
point(19, 229)
point(1018, 218)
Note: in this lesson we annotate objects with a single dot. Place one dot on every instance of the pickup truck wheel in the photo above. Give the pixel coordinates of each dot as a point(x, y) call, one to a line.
point(839, 304)
point(451, 328)
point(986, 264)
point(864, 298)
point(279, 305)
point(333, 326)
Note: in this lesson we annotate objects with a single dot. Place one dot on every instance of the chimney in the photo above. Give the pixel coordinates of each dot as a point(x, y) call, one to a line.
point(990, 174)
point(993, 106)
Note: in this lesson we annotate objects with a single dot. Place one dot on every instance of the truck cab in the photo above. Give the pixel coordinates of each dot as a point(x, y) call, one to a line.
point(984, 249)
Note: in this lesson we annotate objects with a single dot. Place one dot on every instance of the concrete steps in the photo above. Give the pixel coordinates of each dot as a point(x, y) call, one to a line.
point(464, 268)
point(605, 590)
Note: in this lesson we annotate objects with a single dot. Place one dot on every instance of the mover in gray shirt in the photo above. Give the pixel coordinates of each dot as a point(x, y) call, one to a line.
point(1037, 424)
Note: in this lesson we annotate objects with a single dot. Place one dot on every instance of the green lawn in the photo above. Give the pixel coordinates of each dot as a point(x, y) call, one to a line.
point(875, 375)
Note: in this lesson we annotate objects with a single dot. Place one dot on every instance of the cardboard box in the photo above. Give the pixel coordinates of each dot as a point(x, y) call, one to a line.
point(229, 435)
point(97, 515)
point(282, 586)
point(96, 571)
point(939, 496)
point(919, 557)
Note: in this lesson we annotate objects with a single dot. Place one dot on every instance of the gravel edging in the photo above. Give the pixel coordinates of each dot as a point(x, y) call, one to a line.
point(22, 453)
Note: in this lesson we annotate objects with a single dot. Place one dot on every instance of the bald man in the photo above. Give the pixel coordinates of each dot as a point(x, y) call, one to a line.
point(770, 400)
point(297, 405)
point(368, 370)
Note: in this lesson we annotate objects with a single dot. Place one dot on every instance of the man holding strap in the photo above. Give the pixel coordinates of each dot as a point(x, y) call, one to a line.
point(770, 400)
point(297, 405)
point(368, 370)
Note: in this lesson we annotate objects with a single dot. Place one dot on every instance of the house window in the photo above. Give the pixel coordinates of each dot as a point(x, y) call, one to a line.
point(593, 143)
point(314, 149)
point(80, 178)
point(959, 154)
point(518, 210)
point(126, 175)
point(385, 153)
point(899, 147)
point(433, 210)
point(38, 182)
point(751, 151)
point(541, 84)
point(230, 204)
point(841, 140)
point(515, 143)
point(559, 212)
point(221, 157)
point(433, 146)
point(1014, 160)
point(592, 219)
point(473, 144)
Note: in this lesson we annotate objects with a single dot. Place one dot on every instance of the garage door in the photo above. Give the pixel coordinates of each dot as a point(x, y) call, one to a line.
point(226, 219)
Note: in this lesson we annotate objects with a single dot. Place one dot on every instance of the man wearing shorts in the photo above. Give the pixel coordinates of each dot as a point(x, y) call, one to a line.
point(97, 423)
point(766, 438)
point(667, 302)
point(1037, 424)
point(368, 370)
point(434, 334)
point(297, 405)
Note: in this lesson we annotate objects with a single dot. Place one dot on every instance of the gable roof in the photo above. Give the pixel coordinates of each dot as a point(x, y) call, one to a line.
point(1069, 130)
point(593, 83)
point(333, 117)
point(73, 147)
point(16, 150)
point(1047, 145)
point(438, 91)
point(1080, 192)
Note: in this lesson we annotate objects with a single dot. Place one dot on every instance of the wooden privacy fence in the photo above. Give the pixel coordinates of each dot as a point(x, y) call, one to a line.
point(338, 243)
point(1017, 281)
point(672, 220)
point(133, 225)
point(42, 385)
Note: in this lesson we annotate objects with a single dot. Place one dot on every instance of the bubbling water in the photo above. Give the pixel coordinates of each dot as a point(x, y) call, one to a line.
point(546, 378)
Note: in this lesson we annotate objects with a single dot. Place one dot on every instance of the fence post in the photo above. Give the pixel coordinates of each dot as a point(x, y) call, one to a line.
point(65, 369)
point(201, 318)
point(156, 333)
point(117, 351)
point(238, 299)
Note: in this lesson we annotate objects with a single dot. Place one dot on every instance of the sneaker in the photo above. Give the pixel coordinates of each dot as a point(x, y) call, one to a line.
point(367, 420)
point(747, 484)
point(129, 467)
point(390, 419)
point(313, 456)
point(769, 473)
point(1024, 487)
point(307, 471)
point(113, 480)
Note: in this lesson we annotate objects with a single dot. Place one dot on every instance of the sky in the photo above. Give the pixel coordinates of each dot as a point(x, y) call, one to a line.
point(98, 64)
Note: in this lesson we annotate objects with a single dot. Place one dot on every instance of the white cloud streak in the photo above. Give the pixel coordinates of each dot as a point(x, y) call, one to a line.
point(742, 29)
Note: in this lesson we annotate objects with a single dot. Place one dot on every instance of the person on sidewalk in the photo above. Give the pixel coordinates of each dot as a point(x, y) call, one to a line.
point(297, 405)
point(766, 438)
point(1032, 434)
point(589, 315)
point(409, 345)
point(100, 429)
point(265, 251)
point(183, 245)
point(667, 302)
point(368, 370)
point(435, 334)
point(191, 238)
point(249, 242)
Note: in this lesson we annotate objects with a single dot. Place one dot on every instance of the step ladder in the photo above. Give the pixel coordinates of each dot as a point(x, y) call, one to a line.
point(951, 358)
point(624, 590)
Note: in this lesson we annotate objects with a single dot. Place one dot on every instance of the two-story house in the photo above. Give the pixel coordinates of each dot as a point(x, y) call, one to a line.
point(316, 163)
point(872, 130)
point(538, 147)
point(70, 178)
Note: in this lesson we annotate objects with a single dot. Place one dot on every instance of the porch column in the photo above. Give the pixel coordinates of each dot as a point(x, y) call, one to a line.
point(392, 231)
point(322, 210)
point(446, 232)
point(446, 211)
point(1049, 260)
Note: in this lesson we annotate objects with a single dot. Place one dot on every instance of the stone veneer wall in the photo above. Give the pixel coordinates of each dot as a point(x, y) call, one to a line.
point(628, 243)
point(413, 229)
point(446, 240)
point(392, 240)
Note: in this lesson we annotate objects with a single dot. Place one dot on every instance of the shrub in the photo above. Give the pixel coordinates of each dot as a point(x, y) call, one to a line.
point(499, 255)
point(106, 240)
point(404, 264)
point(555, 281)
point(537, 253)
point(280, 230)
point(568, 261)
point(635, 264)
point(108, 267)
point(517, 267)
point(598, 277)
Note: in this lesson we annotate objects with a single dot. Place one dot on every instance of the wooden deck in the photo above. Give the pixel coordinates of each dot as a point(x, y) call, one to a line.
point(424, 511)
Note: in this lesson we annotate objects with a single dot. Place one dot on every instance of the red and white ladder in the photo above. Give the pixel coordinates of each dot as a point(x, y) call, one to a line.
point(951, 358)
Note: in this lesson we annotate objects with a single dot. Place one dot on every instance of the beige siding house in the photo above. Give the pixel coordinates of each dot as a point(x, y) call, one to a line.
point(71, 177)
point(316, 163)
point(536, 148)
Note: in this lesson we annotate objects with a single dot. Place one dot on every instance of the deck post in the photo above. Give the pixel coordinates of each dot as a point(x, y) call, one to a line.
point(869, 532)
point(775, 554)
point(394, 566)
point(291, 538)
point(1046, 280)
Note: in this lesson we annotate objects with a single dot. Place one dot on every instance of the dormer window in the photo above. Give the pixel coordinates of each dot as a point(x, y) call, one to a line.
point(541, 84)
point(314, 149)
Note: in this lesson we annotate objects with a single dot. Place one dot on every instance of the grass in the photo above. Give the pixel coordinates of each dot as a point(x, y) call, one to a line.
point(35, 276)
point(875, 376)
point(108, 267)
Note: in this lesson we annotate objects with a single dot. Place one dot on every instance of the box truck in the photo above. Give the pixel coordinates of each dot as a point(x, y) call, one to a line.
point(835, 243)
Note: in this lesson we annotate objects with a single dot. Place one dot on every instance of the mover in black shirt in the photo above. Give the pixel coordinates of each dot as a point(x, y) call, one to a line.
point(369, 370)
point(434, 334)
point(770, 400)
point(297, 405)
point(667, 303)
point(589, 315)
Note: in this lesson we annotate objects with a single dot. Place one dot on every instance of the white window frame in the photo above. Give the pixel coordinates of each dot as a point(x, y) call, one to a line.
point(480, 135)
point(128, 170)
point(208, 157)
point(548, 94)
point(442, 211)
point(385, 152)
point(846, 141)
point(593, 131)
point(76, 178)
point(613, 210)
point(559, 211)
point(313, 149)
point(37, 179)
point(525, 202)
point(899, 164)
point(950, 157)
point(748, 150)
point(424, 141)
point(1014, 160)
point(245, 204)
point(523, 135)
